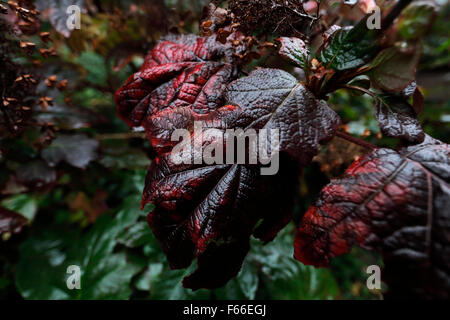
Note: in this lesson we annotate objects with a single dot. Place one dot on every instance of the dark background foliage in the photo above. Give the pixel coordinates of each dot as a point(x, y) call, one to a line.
point(74, 170)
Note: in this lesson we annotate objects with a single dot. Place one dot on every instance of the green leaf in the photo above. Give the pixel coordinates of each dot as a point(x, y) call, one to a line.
point(396, 69)
point(416, 19)
point(95, 67)
point(93, 99)
point(135, 235)
point(268, 271)
point(231, 291)
point(351, 48)
point(143, 282)
point(167, 285)
point(44, 258)
point(24, 204)
point(248, 280)
point(286, 278)
point(243, 287)
point(40, 272)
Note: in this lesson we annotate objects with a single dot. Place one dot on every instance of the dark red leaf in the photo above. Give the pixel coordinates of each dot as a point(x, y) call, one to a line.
point(11, 222)
point(274, 99)
point(209, 212)
point(179, 72)
point(396, 203)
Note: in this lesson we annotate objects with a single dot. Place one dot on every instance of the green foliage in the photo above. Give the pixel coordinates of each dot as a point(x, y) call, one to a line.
point(24, 204)
point(288, 278)
point(119, 254)
point(105, 275)
point(94, 65)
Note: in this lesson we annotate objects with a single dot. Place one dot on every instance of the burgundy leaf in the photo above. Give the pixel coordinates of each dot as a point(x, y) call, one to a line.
point(205, 211)
point(210, 212)
point(274, 99)
point(393, 202)
point(180, 72)
point(11, 222)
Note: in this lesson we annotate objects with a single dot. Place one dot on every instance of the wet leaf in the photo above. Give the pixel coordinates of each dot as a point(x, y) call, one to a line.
point(180, 72)
point(274, 99)
point(77, 150)
point(209, 211)
point(398, 119)
point(350, 48)
point(395, 202)
point(45, 256)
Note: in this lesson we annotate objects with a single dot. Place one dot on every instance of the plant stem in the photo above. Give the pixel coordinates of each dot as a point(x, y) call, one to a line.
point(120, 136)
point(370, 93)
point(366, 91)
point(354, 140)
